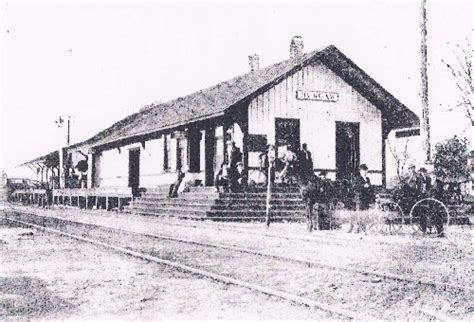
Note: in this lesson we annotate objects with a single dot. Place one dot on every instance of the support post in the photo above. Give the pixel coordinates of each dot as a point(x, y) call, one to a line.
point(269, 195)
point(90, 168)
point(61, 170)
point(271, 155)
point(425, 126)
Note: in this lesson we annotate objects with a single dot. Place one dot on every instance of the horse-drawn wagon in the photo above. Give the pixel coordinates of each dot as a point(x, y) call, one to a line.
point(391, 210)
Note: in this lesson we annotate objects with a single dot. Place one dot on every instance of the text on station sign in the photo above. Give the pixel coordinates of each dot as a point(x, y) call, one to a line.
point(317, 96)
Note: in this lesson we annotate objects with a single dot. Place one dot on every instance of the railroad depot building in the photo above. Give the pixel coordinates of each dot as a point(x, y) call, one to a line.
point(321, 98)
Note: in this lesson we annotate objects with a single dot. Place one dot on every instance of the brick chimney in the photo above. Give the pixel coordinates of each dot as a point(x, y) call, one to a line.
point(296, 47)
point(254, 62)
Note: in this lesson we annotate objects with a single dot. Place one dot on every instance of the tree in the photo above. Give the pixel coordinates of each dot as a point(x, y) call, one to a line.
point(451, 159)
point(401, 158)
point(461, 69)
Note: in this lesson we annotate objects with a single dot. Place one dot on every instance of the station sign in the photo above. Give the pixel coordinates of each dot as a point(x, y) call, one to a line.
point(317, 96)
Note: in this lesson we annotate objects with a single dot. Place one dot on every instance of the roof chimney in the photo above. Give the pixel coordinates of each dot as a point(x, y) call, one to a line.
point(296, 47)
point(254, 62)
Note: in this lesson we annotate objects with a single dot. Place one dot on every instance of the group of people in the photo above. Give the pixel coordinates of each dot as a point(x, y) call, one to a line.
point(417, 185)
point(290, 164)
point(319, 193)
point(231, 176)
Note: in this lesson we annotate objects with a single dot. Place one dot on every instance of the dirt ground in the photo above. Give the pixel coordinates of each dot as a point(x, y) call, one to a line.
point(48, 277)
point(443, 260)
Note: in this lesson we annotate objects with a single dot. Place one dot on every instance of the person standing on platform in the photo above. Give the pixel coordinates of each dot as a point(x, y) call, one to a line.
point(235, 156)
point(289, 159)
point(363, 197)
point(363, 189)
point(437, 192)
point(324, 201)
point(305, 163)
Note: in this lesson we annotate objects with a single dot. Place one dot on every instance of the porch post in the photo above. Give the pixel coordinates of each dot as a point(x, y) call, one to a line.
point(209, 154)
point(90, 168)
point(384, 138)
point(172, 158)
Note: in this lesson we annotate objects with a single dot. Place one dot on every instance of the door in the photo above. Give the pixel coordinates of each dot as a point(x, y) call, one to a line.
point(209, 141)
point(134, 170)
point(194, 150)
point(287, 132)
point(347, 149)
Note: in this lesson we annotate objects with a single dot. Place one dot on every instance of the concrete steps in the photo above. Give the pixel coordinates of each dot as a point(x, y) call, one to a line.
point(206, 203)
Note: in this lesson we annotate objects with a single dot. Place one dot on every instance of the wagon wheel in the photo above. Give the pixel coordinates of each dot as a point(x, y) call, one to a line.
point(392, 219)
point(426, 212)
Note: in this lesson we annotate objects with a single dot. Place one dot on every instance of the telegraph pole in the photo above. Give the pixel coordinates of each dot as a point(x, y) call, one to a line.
point(68, 140)
point(62, 177)
point(425, 126)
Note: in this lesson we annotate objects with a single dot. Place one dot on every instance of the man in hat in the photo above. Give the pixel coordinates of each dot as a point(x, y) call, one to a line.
point(305, 163)
point(324, 201)
point(424, 183)
point(241, 179)
point(363, 188)
point(412, 179)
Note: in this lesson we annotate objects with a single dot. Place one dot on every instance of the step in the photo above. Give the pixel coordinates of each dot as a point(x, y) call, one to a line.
point(225, 206)
point(277, 195)
point(226, 218)
point(223, 201)
point(180, 197)
point(234, 196)
point(171, 203)
point(274, 189)
point(210, 212)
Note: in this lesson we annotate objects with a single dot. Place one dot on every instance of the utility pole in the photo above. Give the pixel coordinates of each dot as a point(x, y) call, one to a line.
point(68, 130)
point(425, 126)
point(62, 176)
point(59, 122)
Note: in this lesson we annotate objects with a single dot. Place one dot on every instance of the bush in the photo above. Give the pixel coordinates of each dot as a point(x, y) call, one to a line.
point(451, 160)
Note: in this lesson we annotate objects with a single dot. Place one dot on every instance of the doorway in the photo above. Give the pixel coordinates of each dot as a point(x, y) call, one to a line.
point(347, 149)
point(134, 170)
point(287, 132)
point(194, 150)
point(209, 142)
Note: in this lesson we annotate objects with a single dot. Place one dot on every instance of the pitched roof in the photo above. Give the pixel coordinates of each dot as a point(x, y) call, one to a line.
point(214, 101)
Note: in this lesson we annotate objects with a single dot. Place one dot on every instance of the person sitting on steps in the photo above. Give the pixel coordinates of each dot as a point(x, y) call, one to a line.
point(173, 191)
point(222, 179)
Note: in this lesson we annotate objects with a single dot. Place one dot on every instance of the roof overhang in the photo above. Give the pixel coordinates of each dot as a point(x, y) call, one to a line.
point(147, 135)
point(40, 161)
point(395, 114)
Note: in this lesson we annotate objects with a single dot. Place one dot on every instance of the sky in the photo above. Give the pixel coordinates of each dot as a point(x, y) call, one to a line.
point(98, 62)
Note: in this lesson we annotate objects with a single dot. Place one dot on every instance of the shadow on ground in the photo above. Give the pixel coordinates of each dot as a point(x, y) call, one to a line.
point(23, 295)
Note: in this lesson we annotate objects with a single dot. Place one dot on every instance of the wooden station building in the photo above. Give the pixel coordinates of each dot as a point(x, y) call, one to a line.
point(320, 98)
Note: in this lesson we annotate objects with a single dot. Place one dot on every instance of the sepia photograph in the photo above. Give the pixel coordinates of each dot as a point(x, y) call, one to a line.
point(237, 160)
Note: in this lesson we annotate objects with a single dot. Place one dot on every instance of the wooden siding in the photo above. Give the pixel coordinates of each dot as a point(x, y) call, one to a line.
point(318, 117)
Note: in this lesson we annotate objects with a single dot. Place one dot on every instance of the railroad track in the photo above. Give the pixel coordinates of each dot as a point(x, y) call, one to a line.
point(260, 231)
point(305, 262)
point(335, 310)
